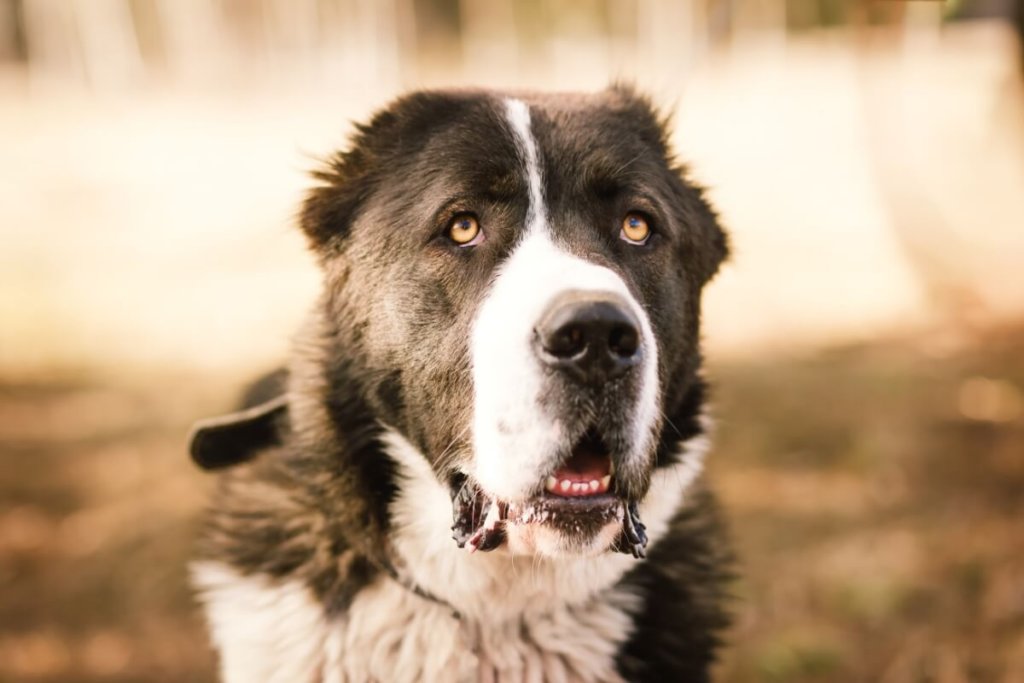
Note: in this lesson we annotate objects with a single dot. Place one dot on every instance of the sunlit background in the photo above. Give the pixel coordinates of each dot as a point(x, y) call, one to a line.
point(866, 341)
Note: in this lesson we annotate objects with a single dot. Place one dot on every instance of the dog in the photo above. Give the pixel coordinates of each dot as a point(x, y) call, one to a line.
point(483, 460)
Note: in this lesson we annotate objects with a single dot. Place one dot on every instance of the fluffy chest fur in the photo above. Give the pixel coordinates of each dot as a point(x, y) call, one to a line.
point(277, 632)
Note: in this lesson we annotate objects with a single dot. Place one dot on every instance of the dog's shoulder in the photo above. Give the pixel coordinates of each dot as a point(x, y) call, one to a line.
point(269, 520)
point(274, 513)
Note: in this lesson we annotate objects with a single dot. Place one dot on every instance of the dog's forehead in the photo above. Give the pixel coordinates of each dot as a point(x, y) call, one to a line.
point(610, 116)
point(583, 129)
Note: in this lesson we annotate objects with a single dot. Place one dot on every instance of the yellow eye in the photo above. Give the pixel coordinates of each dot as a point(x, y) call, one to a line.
point(635, 229)
point(465, 231)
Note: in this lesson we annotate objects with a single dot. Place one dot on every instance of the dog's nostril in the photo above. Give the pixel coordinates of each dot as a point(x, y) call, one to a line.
point(623, 341)
point(567, 341)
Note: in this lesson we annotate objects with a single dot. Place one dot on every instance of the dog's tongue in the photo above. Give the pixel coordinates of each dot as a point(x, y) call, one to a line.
point(586, 473)
point(584, 465)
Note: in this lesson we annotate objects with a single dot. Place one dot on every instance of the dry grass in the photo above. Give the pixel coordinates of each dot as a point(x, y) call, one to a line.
point(876, 496)
point(98, 514)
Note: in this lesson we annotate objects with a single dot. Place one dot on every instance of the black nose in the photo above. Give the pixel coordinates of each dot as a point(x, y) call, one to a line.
point(593, 337)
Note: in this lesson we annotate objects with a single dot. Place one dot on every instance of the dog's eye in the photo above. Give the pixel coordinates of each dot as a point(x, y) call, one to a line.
point(635, 229)
point(465, 230)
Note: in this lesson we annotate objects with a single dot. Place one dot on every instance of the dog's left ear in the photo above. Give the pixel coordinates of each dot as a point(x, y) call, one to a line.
point(706, 221)
point(220, 442)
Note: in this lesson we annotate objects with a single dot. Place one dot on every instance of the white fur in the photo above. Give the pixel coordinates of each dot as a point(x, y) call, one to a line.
point(518, 116)
point(265, 630)
point(523, 619)
point(515, 441)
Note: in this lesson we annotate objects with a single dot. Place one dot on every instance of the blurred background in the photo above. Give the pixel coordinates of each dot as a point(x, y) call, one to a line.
point(866, 341)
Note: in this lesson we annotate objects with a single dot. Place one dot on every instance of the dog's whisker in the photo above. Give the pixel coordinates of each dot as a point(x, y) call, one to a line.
point(665, 417)
point(442, 463)
point(621, 169)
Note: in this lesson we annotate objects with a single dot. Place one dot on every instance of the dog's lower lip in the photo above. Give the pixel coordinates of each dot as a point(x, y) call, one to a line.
point(579, 501)
point(545, 507)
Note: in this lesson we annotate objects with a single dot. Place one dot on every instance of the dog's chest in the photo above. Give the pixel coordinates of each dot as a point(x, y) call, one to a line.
point(392, 635)
point(278, 632)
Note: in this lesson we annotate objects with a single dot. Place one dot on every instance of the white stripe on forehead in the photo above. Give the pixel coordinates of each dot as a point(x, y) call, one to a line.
point(518, 115)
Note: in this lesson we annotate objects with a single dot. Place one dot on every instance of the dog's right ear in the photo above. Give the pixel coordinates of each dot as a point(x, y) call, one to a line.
point(346, 179)
point(343, 182)
point(220, 442)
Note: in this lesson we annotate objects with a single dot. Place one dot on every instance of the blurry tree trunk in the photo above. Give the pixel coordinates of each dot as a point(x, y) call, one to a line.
point(291, 31)
point(767, 18)
point(408, 44)
point(928, 241)
point(12, 32)
point(109, 46)
point(1019, 23)
point(52, 40)
point(489, 39)
point(667, 39)
point(196, 48)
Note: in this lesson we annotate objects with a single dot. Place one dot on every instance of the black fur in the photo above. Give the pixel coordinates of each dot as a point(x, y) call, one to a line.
point(682, 583)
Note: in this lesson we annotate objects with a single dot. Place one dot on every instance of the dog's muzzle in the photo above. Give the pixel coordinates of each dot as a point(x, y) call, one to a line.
point(565, 409)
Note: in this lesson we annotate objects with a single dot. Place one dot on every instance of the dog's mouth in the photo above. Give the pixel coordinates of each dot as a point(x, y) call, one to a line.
point(578, 496)
point(586, 474)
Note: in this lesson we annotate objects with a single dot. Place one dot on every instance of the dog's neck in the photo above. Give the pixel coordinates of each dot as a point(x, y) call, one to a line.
point(499, 586)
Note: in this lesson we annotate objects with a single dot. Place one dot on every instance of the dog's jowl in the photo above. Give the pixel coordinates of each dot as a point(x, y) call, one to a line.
point(483, 459)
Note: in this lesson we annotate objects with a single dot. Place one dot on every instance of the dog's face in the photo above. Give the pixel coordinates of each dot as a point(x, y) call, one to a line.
point(515, 283)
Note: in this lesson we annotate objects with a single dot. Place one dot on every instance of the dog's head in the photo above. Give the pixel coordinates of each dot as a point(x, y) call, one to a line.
point(517, 281)
point(512, 283)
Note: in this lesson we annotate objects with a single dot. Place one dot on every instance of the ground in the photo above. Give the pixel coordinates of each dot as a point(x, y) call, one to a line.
point(875, 495)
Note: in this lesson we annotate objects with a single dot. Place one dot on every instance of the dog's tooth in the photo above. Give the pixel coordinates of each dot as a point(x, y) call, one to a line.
point(594, 484)
point(579, 488)
point(611, 467)
point(493, 517)
point(566, 485)
point(606, 481)
point(551, 484)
